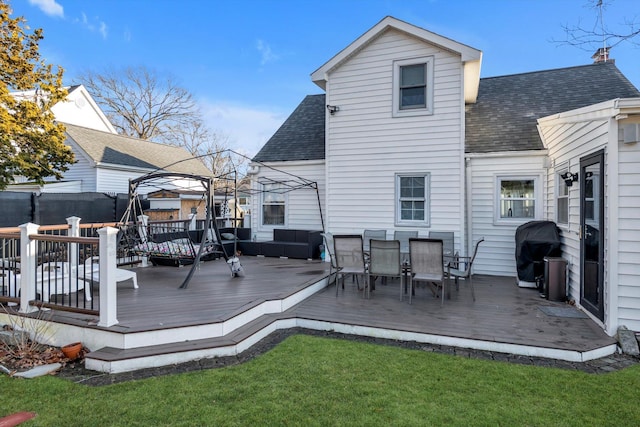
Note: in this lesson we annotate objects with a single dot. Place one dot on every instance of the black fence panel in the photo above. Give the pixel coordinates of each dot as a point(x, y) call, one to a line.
point(15, 208)
point(54, 208)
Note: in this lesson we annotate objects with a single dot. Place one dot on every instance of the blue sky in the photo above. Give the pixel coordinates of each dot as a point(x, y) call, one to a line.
point(248, 62)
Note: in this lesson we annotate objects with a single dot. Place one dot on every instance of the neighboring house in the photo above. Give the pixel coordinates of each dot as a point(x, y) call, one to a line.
point(105, 160)
point(408, 137)
point(180, 204)
point(80, 109)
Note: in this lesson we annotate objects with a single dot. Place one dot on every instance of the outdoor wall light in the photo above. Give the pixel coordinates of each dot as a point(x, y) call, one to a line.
point(569, 178)
point(332, 109)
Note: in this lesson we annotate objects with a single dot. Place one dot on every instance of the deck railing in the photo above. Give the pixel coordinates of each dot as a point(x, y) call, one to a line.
point(51, 267)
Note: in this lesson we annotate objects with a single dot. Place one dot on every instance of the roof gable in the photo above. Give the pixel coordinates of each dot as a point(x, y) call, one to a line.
point(105, 148)
point(470, 57)
point(301, 136)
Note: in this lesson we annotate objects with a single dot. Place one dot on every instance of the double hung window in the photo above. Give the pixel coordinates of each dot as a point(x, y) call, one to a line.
point(562, 199)
point(273, 205)
point(412, 195)
point(413, 87)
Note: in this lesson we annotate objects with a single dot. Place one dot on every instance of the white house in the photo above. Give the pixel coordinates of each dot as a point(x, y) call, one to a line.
point(407, 136)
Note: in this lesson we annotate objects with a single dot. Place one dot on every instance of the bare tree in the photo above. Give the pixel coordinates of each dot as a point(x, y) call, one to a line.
point(589, 37)
point(140, 102)
point(213, 148)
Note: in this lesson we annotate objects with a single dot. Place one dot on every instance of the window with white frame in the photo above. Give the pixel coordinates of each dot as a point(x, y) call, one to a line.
point(412, 195)
point(562, 199)
point(273, 204)
point(517, 198)
point(413, 86)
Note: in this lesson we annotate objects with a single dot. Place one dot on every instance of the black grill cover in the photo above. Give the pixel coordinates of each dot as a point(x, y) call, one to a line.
point(534, 241)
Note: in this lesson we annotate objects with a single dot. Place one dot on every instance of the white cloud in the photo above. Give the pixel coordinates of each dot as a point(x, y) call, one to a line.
point(103, 30)
point(100, 27)
point(248, 129)
point(266, 52)
point(49, 7)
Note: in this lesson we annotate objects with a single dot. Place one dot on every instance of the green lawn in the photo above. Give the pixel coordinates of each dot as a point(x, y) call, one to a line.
point(308, 381)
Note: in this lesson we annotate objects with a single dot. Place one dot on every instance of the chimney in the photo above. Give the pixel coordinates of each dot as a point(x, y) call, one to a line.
point(602, 55)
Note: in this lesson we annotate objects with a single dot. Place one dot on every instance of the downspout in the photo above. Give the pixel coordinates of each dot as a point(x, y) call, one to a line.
point(465, 227)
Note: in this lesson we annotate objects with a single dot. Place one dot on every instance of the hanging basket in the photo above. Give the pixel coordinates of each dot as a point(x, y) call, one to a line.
point(72, 351)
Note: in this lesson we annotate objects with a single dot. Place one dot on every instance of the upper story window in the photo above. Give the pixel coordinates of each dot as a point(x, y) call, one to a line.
point(413, 87)
point(518, 198)
point(412, 195)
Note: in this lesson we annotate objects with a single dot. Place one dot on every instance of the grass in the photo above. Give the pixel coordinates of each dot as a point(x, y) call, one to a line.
point(307, 381)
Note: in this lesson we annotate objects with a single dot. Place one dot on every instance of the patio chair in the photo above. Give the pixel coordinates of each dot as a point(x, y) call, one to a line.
point(447, 238)
point(53, 278)
point(373, 234)
point(384, 261)
point(329, 250)
point(349, 257)
point(427, 265)
point(403, 236)
point(466, 273)
point(90, 271)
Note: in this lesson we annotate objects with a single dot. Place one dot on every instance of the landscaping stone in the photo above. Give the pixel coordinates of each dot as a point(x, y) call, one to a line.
point(11, 337)
point(39, 371)
point(628, 341)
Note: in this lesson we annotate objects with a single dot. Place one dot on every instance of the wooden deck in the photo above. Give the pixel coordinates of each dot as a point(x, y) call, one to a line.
point(503, 318)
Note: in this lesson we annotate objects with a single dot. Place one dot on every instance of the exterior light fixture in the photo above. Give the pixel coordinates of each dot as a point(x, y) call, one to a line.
point(332, 109)
point(569, 178)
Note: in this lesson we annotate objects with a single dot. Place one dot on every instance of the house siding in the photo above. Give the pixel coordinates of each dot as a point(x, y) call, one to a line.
point(496, 255)
point(82, 170)
point(568, 139)
point(367, 147)
point(116, 181)
point(628, 222)
point(302, 210)
point(567, 143)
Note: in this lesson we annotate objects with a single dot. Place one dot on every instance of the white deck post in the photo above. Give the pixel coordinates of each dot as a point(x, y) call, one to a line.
point(74, 231)
point(28, 253)
point(108, 289)
point(192, 221)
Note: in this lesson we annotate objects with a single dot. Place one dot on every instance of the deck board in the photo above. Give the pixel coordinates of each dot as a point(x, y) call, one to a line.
point(502, 312)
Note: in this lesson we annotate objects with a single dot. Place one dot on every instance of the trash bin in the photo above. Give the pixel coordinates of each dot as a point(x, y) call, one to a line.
point(555, 278)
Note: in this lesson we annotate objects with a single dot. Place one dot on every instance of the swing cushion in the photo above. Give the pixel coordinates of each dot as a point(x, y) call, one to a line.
point(227, 236)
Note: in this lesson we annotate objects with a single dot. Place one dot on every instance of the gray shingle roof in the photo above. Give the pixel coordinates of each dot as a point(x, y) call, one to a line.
point(504, 117)
point(104, 147)
point(301, 136)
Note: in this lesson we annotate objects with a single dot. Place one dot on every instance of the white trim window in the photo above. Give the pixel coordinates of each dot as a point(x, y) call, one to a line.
point(562, 199)
point(412, 196)
point(413, 87)
point(518, 199)
point(273, 205)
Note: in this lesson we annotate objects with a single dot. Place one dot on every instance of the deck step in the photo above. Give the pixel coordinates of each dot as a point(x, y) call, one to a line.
point(114, 360)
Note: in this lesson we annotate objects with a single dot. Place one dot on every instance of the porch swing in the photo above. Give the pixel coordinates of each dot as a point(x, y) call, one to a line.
point(172, 242)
